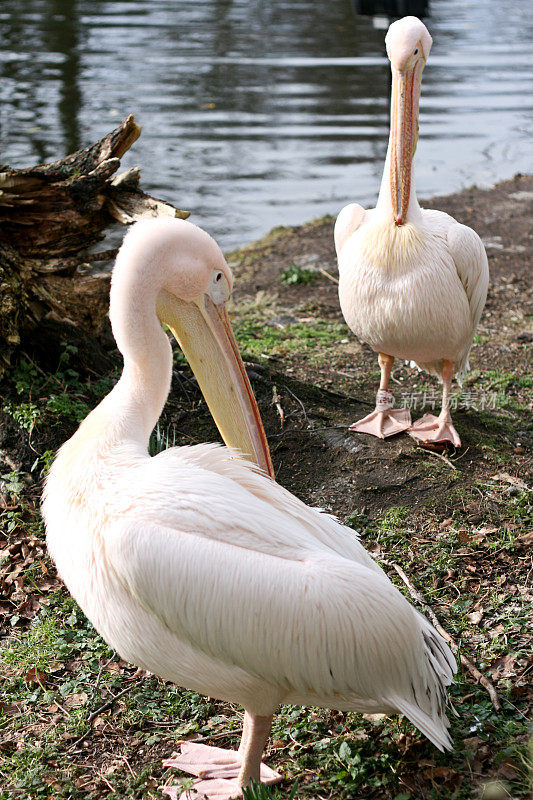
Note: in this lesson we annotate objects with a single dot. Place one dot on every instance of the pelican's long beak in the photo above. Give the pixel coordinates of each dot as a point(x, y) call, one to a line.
point(404, 134)
point(204, 333)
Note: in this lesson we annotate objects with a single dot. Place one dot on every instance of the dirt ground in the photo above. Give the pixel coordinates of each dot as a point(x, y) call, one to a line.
point(458, 522)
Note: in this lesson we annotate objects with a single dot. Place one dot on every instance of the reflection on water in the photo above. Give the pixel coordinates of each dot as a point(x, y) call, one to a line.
point(262, 113)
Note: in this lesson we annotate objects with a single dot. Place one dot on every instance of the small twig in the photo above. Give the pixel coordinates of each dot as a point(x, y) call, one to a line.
point(439, 455)
point(128, 765)
point(472, 669)
point(97, 682)
point(103, 707)
point(321, 428)
point(220, 735)
point(327, 275)
point(104, 779)
point(276, 402)
point(297, 400)
point(463, 454)
point(109, 703)
point(38, 368)
point(65, 712)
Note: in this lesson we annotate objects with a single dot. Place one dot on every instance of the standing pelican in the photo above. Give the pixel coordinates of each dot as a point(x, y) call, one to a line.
point(412, 282)
point(195, 564)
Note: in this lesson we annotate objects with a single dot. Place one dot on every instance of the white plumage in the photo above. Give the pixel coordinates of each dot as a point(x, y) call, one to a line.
point(423, 305)
point(412, 282)
point(196, 565)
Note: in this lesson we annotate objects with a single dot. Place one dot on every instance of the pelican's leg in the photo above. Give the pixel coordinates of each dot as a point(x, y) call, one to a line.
point(258, 731)
point(384, 420)
point(439, 429)
point(223, 773)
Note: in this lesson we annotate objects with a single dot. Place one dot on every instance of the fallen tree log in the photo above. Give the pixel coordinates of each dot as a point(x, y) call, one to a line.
point(50, 215)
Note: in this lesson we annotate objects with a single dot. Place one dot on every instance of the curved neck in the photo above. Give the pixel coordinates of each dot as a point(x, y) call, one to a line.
point(132, 408)
point(137, 400)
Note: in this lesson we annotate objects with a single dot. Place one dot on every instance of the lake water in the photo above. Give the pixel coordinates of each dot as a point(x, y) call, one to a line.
point(255, 113)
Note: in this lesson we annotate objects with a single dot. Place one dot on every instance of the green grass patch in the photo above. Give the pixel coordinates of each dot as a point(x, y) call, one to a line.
point(258, 339)
point(296, 274)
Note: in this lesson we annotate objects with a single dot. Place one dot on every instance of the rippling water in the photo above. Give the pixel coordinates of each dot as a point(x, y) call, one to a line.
point(263, 112)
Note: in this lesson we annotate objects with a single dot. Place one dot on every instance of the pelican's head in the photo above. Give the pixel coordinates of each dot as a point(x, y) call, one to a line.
point(408, 44)
point(180, 269)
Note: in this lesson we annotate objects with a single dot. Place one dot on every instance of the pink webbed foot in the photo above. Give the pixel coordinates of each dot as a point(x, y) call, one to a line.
point(215, 789)
point(218, 770)
point(384, 420)
point(432, 429)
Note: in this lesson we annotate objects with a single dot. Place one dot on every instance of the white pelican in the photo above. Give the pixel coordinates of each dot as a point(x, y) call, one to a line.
point(195, 564)
point(412, 282)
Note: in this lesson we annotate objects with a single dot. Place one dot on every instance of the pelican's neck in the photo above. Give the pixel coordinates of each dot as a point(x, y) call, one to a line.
point(130, 412)
point(139, 396)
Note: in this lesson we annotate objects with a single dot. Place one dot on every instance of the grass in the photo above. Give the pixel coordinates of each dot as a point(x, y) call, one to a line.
point(316, 340)
point(51, 398)
point(261, 792)
point(295, 273)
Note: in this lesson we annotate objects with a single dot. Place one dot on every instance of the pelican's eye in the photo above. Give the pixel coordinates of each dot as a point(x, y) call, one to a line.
point(218, 289)
point(416, 52)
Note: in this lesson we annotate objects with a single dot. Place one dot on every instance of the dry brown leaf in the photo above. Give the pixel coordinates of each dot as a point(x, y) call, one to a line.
point(508, 771)
point(496, 631)
point(29, 608)
point(475, 617)
point(503, 667)
point(473, 742)
point(52, 781)
point(45, 584)
point(374, 717)
point(12, 709)
point(75, 700)
point(485, 531)
point(444, 775)
point(36, 675)
point(8, 743)
point(504, 477)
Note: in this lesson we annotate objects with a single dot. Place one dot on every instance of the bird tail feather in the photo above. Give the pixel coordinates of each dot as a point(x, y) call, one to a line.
point(427, 707)
point(435, 728)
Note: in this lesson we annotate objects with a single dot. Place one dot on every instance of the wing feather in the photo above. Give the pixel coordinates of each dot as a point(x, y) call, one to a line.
point(348, 221)
point(227, 489)
point(321, 626)
point(470, 258)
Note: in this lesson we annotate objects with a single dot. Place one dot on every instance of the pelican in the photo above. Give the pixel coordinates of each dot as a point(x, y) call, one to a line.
point(412, 282)
point(195, 564)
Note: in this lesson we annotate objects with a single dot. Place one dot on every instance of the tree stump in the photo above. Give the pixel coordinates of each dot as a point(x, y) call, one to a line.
point(49, 215)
